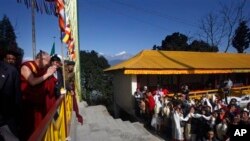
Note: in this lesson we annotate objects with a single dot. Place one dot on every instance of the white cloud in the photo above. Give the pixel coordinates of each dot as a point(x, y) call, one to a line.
point(121, 53)
point(27, 59)
point(100, 53)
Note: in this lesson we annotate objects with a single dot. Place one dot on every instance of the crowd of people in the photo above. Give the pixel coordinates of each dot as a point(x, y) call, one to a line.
point(28, 91)
point(181, 118)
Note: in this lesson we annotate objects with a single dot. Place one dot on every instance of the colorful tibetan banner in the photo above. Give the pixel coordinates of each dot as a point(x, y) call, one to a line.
point(61, 14)
point(71, 13)
point(65, 38)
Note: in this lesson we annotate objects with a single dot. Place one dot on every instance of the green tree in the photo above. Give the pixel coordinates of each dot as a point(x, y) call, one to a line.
point(176, 41)
point(202, 46)
point(8, 38)
point(7, 34)
point(241, 37)
point(156, 47)
point(179, 42)
point(96, 84)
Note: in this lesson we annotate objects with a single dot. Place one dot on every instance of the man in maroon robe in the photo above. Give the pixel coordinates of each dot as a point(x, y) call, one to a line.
point(33, 75)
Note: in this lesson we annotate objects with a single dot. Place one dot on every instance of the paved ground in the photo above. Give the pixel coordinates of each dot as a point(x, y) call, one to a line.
point(99, 125)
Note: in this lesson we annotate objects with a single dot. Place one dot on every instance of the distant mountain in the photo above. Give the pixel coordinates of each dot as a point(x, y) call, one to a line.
point(114, 62)
point(117, 58)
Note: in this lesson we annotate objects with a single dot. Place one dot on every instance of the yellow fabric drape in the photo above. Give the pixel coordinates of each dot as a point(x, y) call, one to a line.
point(184, 71)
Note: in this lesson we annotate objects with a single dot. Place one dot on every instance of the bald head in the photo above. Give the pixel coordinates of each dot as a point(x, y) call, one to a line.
point(43, 59)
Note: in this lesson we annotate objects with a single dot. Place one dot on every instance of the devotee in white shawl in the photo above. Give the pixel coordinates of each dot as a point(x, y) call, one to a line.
point(177, 118)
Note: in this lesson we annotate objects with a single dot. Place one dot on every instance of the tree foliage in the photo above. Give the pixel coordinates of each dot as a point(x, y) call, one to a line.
point(179, 42)
point(202, 46)
point(241, 37)
point(8, 38)
point(7, 33)
point(176, 41)
point(217, 28)
point(96, 84)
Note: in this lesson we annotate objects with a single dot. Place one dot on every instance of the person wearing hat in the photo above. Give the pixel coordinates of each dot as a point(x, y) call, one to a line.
point(70, 63)
point(69, 75)
point(54, 83)
point(10, 58)
point(56, 61)
point(13, 57)
point(70, 86)
point(245, 119)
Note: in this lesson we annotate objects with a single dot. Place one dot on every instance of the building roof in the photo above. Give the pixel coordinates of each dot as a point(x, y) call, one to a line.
point(183, 62)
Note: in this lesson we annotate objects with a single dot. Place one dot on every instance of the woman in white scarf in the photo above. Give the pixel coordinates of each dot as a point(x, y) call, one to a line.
point(156, 119)
point(221, 129)
point(177, 117)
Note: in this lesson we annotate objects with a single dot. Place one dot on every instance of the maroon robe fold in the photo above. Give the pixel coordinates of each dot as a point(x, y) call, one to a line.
point(50, 99)
point(33, 100)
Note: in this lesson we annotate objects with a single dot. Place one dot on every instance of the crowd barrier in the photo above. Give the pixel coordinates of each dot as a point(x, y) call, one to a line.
point(236, 91)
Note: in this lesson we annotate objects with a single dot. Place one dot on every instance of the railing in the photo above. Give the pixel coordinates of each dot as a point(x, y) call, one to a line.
point(236, 91)
point(56, 124)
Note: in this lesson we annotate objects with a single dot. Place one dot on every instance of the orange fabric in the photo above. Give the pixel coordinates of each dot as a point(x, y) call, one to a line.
point(34, 94)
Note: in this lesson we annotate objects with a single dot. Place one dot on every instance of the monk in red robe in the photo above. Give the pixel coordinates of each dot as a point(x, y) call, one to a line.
point(33, 75)
point(150, 104)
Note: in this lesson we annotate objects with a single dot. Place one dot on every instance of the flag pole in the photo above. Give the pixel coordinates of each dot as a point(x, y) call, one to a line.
point(63, 64)
point(54, 43)
point(54, 38)
point(33, 28)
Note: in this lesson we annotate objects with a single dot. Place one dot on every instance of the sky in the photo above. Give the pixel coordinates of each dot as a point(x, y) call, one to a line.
point(113, 26)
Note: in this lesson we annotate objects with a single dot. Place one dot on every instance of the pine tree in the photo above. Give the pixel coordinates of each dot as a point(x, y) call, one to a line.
point(241, 37)
point(7, 34)
point(8, 39)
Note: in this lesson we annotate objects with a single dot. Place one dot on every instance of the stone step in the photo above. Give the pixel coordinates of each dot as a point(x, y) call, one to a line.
point(73, 128)
point(112, 123)
point(99, 125)
point(97, 136)
point(124, 133)
point(108, 124)
point(141, 128)
point(82, 131)
point(147, 135)
point(121, 124)
point(89, 115)
point(116, 138)
point(132, 128)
